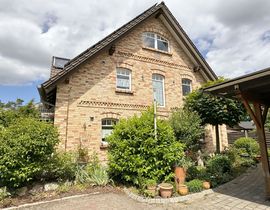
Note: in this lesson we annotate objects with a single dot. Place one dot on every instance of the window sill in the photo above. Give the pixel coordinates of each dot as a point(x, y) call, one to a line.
point(104, 145)
point(158, 51)
point(124, 91)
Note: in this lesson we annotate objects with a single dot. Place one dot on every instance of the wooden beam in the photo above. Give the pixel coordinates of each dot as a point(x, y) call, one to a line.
point(263, 146)
point(250, 112)
point(265, 111)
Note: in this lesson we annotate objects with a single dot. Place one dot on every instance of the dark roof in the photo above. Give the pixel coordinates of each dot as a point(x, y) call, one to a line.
point(50, 84)
point(255, 87)
point(244, 125)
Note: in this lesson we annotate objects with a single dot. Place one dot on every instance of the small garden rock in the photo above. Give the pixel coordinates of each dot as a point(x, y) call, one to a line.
point(50, 186)
point(37, 188)
point(21, 191)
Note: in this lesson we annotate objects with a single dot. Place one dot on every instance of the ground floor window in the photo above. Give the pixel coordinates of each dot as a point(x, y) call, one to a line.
point(107, 127)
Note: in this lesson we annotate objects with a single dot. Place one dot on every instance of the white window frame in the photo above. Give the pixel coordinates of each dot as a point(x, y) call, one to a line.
point(129, 76)
point(156, 38)
point(109, 127)
point(190, 85)
point(163, 88)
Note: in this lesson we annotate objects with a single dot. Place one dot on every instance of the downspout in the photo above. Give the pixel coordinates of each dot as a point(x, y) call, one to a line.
point(67, 119)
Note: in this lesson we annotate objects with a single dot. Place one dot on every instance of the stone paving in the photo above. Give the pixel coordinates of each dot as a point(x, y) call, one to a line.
point(245, 192)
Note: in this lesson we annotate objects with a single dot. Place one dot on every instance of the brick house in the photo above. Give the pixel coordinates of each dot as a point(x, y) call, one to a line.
point(149, 57)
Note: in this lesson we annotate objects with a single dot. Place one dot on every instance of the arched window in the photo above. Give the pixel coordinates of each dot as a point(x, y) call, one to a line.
point(123, 79)
point(186, 86)
point(107, 127)
point(155, 41)
point(158, 89)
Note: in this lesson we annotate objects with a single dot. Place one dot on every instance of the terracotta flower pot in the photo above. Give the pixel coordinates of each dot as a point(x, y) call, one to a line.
point(183, 189)
point(206, 185)
point(180, 175)
point(165, 190)
point(151, 190)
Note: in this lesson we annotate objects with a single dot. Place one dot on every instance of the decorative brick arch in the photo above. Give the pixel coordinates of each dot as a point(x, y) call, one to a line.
point(126, 65)
point(160, 32)
point(159, 71)
point(110, 115)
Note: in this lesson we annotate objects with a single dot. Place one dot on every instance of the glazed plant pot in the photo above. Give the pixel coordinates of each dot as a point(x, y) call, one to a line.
point(206, 185)
point(166, 190)
point(183, 189)
point(151, 190)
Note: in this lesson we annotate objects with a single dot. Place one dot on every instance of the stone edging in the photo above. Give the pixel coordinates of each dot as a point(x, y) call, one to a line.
point(189, 197)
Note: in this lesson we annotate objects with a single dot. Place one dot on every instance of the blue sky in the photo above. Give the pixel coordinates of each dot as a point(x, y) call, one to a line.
point(233, 37)
point(25, 92)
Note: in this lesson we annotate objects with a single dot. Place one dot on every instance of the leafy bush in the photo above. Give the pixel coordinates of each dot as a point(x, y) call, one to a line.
point(92, 173)
point(4, 193)
point(61, 167)
point(12, 111)
point(197, 172)
point(150, 182)
point(247, 146)
point(99, 177)
point(219, 168)
point(25, 146)
point(240, 158)
point(187, 127)
point(81, 175)
point(195, 185)
point(135, 154)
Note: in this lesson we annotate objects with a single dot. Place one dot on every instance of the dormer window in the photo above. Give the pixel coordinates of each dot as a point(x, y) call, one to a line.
point(155, 41)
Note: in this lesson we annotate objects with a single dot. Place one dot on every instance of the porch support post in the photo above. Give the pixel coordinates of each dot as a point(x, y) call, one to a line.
point(263, 147)
point(259, 119)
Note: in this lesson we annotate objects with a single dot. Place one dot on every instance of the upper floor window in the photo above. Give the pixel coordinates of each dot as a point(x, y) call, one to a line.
point(158, 88)
point(107, 127)
point(186, 86)
point(155, 41)
point(123, 77)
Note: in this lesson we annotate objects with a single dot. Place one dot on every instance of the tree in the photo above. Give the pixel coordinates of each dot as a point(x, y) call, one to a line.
point(14, 110)
point(187, 128)
point(215, 110)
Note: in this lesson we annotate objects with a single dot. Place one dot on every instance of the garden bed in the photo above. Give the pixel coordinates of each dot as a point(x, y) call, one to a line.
point(175, 199)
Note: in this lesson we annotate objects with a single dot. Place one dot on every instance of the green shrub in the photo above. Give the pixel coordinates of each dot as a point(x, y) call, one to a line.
point(187, 128)
point(81, 175)
point(219, 169)
point(61, 167)
point(25, 147)
point(247, 146)
point(12, 111)
point(99, 177)
point(150, 182)
point(195, 185)
point(92, 173)
point(4, 193)
point(135, 154)
point(197, 172)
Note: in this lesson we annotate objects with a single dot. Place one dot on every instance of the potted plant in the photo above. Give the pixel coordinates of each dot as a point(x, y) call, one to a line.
point(166, 190)
point(206, 185)
point(180, 170)
point(182, 189)
point(151, 186)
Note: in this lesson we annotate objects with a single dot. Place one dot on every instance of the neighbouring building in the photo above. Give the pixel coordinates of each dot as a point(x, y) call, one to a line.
point(149, 57)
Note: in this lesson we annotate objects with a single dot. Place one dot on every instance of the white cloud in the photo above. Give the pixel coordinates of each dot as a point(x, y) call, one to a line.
point(233, 35)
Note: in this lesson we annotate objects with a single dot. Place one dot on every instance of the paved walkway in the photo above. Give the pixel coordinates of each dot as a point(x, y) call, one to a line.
point(245, 192)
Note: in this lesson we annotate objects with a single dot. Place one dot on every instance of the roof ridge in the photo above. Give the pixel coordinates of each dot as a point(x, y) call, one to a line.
point(117, 30)
point(112, 36)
